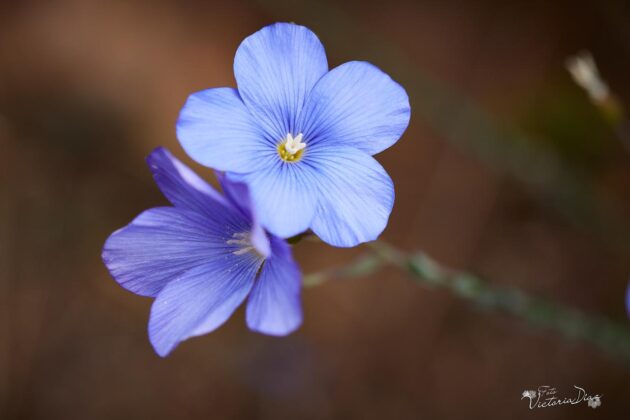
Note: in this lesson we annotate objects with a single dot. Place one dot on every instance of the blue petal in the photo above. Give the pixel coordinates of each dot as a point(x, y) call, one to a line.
point(356, 105)
point(275, 70)
point(628, 300)
point(356, 196)
point(284, 196)
point(181, 186)
point(238, 194)
point(200, 300)
point(274, 306)
point(162, 243)
point(216, 129)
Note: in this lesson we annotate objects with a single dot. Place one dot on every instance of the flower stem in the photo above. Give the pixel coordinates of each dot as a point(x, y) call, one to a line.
point(610, 336)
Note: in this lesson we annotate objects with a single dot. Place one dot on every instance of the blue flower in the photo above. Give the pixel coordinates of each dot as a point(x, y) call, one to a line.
point(302, 137)
point(201, 258)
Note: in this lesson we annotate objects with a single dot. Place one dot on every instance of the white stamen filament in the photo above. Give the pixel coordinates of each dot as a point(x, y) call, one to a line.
point(242, 240)
point(294, 144)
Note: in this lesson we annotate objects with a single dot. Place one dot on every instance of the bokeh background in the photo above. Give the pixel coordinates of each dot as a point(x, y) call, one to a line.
point(507, 170)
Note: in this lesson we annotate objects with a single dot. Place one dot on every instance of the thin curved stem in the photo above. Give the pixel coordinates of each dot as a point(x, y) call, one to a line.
point(610, 336)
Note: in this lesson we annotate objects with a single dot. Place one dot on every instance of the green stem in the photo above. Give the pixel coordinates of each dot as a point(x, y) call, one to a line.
point(608, 335)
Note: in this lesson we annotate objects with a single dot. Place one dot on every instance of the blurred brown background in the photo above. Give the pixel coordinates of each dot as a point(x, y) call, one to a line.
point(88, 88)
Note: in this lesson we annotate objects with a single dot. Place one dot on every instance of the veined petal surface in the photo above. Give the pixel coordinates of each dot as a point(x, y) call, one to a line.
point(181, 186)
point(161, 243)
point(275, 69)
point(356, 105)
point(274, 306)
point(284, 196)
point(200, 300)
point(238, 194)
point(216, 129)
point(356, 197)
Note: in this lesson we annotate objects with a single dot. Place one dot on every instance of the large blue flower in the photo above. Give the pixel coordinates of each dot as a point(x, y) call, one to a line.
point(300, 136)
point(201, 258)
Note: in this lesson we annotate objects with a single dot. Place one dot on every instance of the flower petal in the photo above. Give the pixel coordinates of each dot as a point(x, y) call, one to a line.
point(161, 243)
point(200, 300)
point(275, 69)
point(356, 197)
point(284, 196)
point(238, 194)
point(357, 105)
point(216, 129)
point(181, 186)
point(274, 306)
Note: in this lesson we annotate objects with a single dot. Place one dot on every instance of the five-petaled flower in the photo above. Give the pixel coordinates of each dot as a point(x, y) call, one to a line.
point(302, 137)
point(201, 258)
point(528, 394)
point(594, 402)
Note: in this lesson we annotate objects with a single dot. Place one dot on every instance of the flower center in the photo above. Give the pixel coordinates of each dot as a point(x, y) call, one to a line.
point(291, 148)
point(242, 242)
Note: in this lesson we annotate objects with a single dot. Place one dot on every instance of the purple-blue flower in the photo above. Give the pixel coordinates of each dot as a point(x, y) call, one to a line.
point(201, 258)
point(302, 137)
